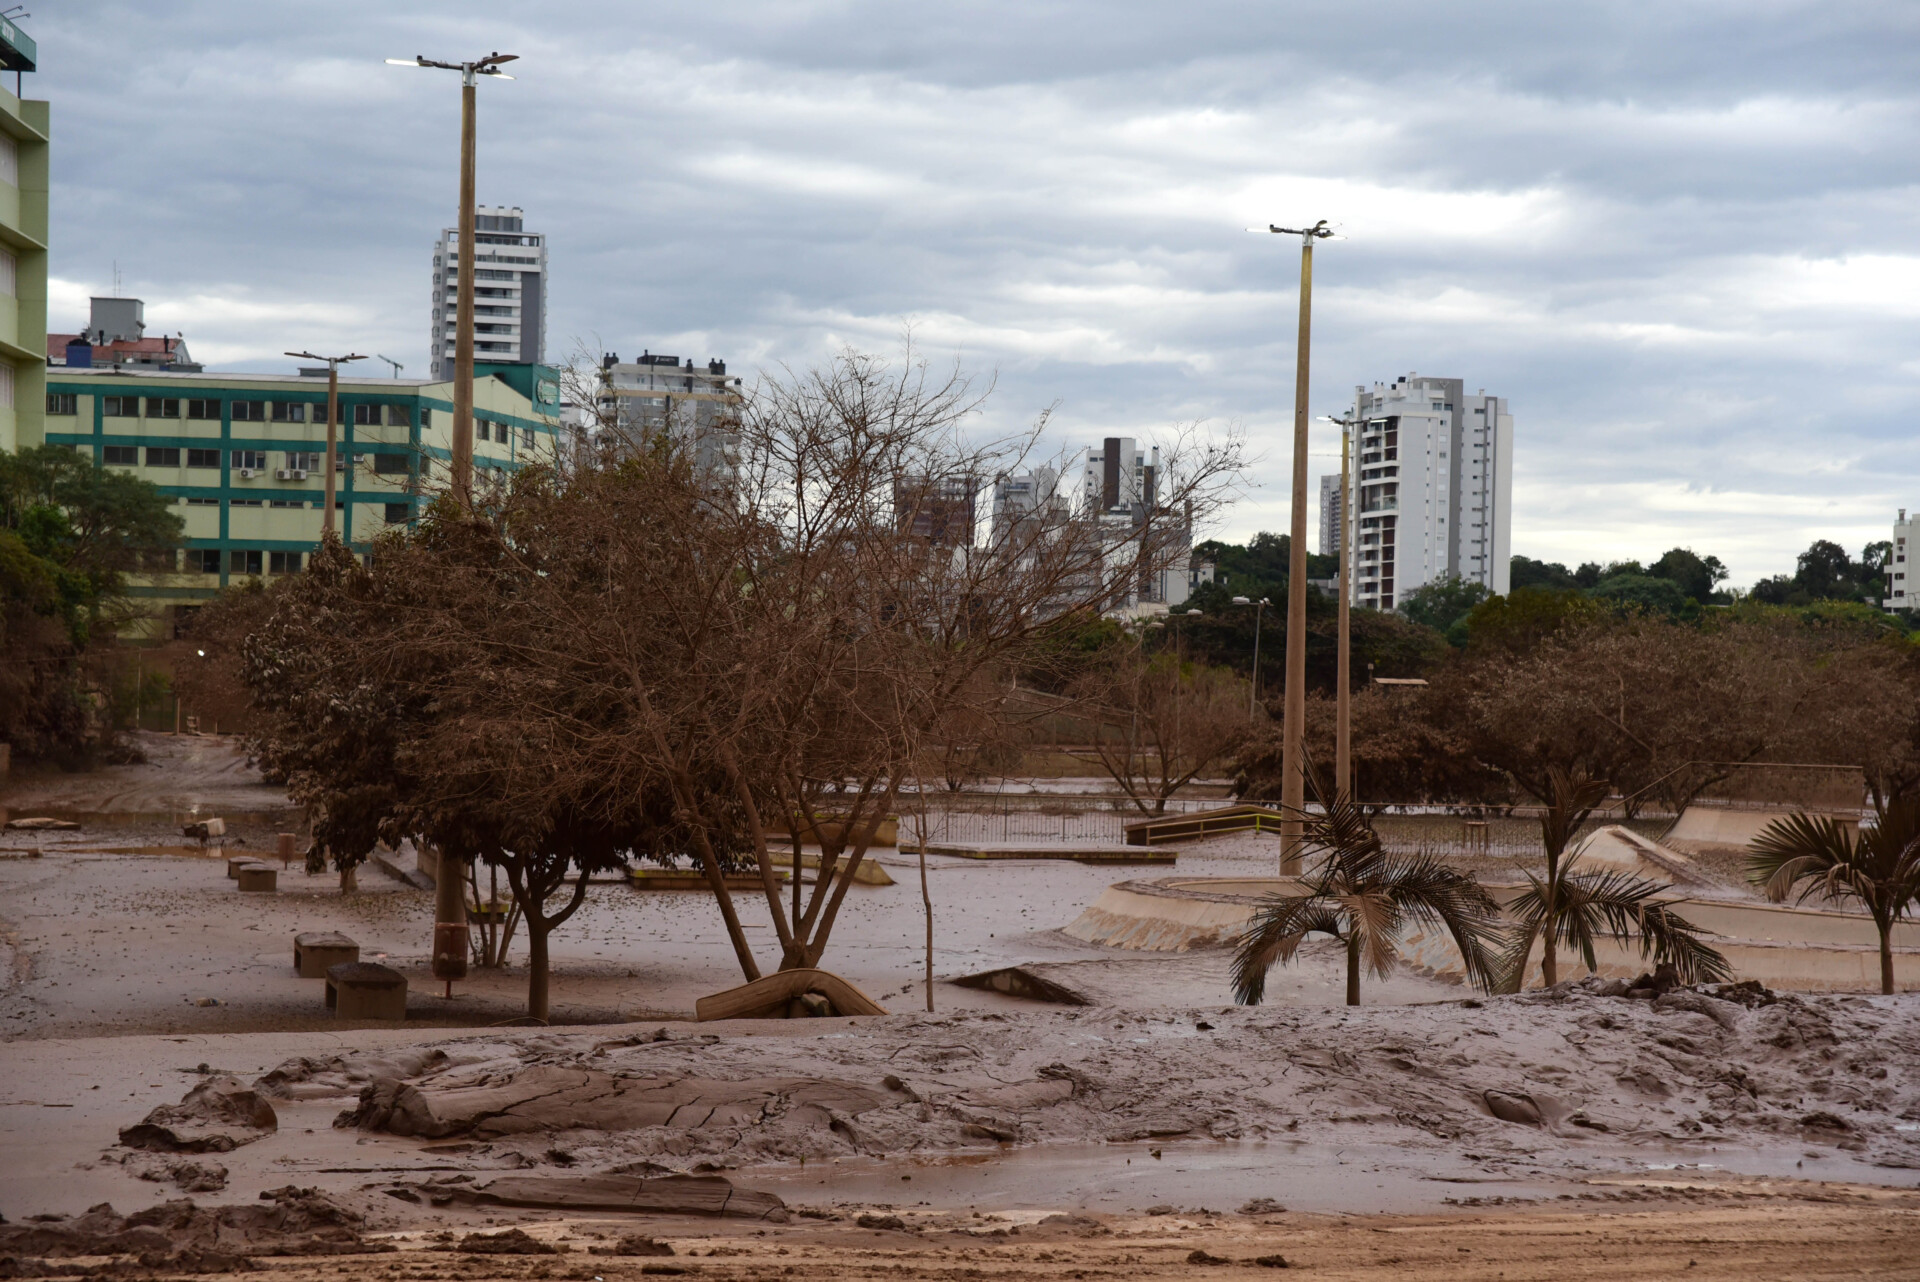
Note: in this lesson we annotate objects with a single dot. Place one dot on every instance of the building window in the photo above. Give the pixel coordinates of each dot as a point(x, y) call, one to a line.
point(426, 418)
point(203, 502)
point(249, 411)
point(162, 456)
point(203, 458)
point(163, 407)
point(120, 455)
point(120, 406)
point(203, 410)
point(396, 514)
point(251, 460)
point(243, 561)
point(397, 416)
point(286, 503)
point(64, 403)
point(247, 503)
point(9, 160)
point(203, 560)
point(366, 416)
point(303, 462)
point(283, 563)
point(290, 412)
point(526, 438)
point(9, 269)
point(390, 464)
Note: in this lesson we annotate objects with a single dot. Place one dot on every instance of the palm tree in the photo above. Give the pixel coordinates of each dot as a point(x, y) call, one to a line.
point(1571, 908)
point(1879, 866)
point(1364, 896)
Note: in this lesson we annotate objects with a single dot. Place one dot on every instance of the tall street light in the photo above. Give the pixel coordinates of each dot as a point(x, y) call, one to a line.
point(450, 896)
point(1293, 791)
point(333, 418)
point(1253, 690)
point(463, 320)
point(1343, 752)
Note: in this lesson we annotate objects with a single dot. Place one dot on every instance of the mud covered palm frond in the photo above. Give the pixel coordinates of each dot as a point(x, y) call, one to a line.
point(1430, 893)
point(1570, 801)
point(1274, 934)
point(1880, 866)
point(1616, 905)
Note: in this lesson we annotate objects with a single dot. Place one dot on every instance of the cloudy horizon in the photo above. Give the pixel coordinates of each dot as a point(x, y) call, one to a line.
point(1681, 241)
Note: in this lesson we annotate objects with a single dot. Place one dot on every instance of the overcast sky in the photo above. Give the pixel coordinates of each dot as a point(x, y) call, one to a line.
point(1682, 238)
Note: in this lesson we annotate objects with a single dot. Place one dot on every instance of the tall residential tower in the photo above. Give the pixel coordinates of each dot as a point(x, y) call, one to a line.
point(509, 292)
point(1433, 488)
point(23, 250)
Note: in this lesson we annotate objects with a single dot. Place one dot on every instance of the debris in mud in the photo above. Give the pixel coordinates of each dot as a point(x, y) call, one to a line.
point(868, 1220)
point(634, 1244)
point(294, 1222)
point(1199, 1255)
point(185, 1174)
point(668, 1195)
point(1262, 1206)
point(40, 823)
point(1272, 1261)
point(216, 1116)
point(505, 1242)
point(1512, 1106)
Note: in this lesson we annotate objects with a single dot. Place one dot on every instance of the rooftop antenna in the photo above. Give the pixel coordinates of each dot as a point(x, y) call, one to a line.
point(15, 11)
point(397, 366)
point(116, 278)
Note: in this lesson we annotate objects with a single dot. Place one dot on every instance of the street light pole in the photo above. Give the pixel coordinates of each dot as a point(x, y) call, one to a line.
point(450, 876)
point(462, 444)
point(333, 418)
point(1292, 759)
point(1253, 688)
point(1343, 752)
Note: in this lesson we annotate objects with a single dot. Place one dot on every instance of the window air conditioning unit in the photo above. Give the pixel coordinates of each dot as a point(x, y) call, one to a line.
point(339, 463)
point(246, 474)
point(285, 474)
point(299, 473)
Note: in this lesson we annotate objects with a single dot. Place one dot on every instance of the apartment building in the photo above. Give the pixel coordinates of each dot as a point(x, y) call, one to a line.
point(1330, 526)
point(1433, 487)
point(24, 126)
point(509, 292)
point(697, 407)
point(1902, 592)
point(116, 337)
point(242, 458)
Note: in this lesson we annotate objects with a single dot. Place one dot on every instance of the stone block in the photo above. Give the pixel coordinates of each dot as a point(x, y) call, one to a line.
point(257, 876)
point(366, 990)
point(317, 952)
point(236, 862)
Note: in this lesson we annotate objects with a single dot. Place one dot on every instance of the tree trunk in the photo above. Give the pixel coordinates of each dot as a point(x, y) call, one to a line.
point(539, 972)
point(1886, 958)
point(1549, 965)
point(1353, 970)
point(348, 882)
point(926, 901)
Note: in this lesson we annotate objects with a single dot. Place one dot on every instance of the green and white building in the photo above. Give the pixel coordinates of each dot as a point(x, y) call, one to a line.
point(23, 248)
point(241, 456)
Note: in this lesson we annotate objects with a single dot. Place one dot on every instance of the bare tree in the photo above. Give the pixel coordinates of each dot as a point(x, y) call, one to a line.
point(1161, 720)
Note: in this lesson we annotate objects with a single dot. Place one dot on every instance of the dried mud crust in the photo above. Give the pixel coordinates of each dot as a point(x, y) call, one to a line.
point(285, 1221)
point(1530, 1078)
point(1739, 1243)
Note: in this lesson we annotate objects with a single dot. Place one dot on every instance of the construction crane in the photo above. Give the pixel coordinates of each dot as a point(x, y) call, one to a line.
point(397, 366)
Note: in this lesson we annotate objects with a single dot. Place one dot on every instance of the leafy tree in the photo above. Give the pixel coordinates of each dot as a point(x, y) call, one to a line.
point(1260, 568)
point(1365, 897)
point(1444, 601)
point(1162, 720)
point(1524, 617)
point(1877, 866)
point(1589, 573)
point(1570, 908)
point(1646, 594)
point(1697, 576)
point(68, 533)
point(1525, 572)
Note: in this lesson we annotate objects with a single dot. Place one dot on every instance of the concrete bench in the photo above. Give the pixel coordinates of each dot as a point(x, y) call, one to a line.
point(236, 862)
point(366, 990)
point(317, 952)
point(258, 876)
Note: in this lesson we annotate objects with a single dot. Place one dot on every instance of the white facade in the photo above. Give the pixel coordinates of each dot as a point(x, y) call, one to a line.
point(1119, 477)
point(697, 406)
point(1433, 488)
point(1330, 515)
point(1901, 590)
point(509, 291)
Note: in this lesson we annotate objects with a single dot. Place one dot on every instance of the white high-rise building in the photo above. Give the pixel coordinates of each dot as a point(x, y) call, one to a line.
point(1901, 590)
point(509, 291)
point(1433, 488)
point(1330, 515)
